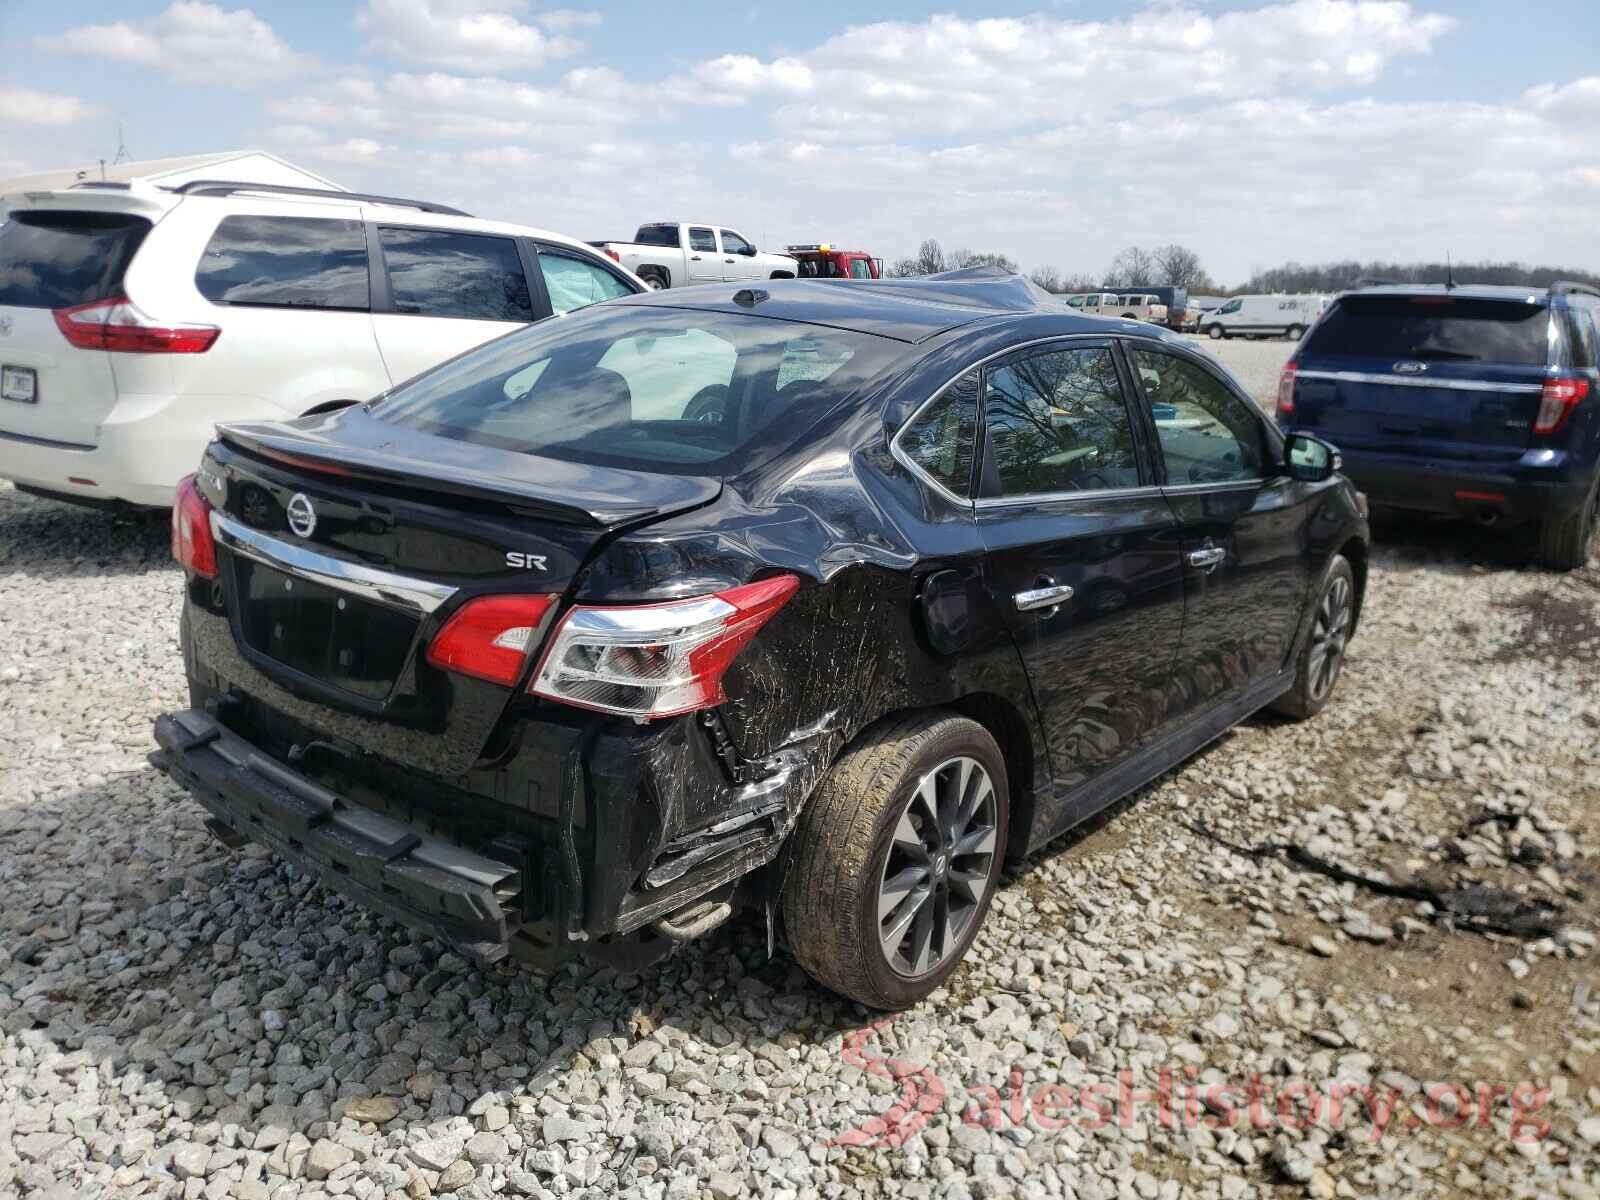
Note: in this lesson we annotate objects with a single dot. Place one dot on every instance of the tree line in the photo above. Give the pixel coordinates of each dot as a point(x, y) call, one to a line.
point(1173, 265)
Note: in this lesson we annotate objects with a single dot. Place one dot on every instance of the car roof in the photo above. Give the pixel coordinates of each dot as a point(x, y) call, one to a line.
point(908, 310)
point(1470, 291)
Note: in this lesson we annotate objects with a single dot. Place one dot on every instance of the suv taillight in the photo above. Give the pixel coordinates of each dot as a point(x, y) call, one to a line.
point(117, 324)
point(656, 660)
point(490, 637)
point(1559, 398)
point(1286, 389)
point(191, 530)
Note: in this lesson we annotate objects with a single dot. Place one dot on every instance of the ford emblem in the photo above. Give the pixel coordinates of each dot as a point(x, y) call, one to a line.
point(302, 516)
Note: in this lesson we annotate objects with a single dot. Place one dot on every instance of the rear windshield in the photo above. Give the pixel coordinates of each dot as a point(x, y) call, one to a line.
point(677, 391)
point(58, 259)
point(1439, 328)
point(656, 235)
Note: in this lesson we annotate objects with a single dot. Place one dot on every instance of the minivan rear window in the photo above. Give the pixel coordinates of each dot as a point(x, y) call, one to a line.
point(675, 391)
point(59, 259)
point(1435, 328)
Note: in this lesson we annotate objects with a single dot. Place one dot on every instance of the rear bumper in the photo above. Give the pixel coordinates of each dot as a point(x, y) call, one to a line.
point(1539, 485)
point(416, 879)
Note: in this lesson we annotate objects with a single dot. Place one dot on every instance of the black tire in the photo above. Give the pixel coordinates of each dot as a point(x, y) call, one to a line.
point(1564, 541)
point(841, 850)
point(1216, 332)
point(654, 280)
point(1312, 686)
point(1295, 332)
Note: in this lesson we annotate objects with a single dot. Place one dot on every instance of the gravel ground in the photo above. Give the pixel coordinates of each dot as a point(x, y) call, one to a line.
point(178, 1021)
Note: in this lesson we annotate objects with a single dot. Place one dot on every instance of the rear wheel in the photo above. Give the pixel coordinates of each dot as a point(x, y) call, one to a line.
point(895, 860)
point(1564, 541)
point(1322, 657)
point(653, 281)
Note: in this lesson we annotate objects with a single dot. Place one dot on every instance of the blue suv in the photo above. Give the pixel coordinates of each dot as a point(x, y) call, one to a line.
point(1478, 401)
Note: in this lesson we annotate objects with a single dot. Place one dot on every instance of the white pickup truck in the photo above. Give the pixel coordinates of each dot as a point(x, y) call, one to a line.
point(668, 254)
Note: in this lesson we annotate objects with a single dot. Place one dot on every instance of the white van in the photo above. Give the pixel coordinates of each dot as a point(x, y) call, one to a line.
point(134, 319)
point(1263, 316)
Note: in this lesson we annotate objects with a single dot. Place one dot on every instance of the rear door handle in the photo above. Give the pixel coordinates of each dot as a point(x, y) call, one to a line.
point(1049, 596)
point(1207, 558)
point(694, 258)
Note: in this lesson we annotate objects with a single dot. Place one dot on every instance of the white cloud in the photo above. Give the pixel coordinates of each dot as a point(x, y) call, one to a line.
point(470, 35)
point(193, 42)
point(24, 106)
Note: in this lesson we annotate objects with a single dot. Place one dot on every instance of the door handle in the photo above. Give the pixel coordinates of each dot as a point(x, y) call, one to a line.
point(1048, 595)
point(727, 260)
point(1207, 558)
point(694, 258)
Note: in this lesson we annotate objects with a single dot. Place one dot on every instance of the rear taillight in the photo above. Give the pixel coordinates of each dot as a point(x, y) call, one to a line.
point(191, 530)
point(656, 660)
point(611, 254)
point(491, 637)
point(1560, 397)
point(117, 324)
point(1286, 389)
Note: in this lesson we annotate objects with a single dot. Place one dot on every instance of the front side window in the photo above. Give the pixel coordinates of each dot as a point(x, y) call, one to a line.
point(1232, 306)
point(573, 282)
point(941, 439)
point(677, 391)
point(441, 273)
point(702, 240)
point(1207, 434)
point(1056, 421)
point(288, 262)
point(732, 243)
point(860, 268)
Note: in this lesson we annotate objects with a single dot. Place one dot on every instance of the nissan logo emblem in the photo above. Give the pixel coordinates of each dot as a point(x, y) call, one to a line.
point(302, 517)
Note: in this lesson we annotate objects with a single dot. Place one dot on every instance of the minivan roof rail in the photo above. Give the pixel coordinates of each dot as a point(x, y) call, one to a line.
point(223, 187)
point(1566, 287)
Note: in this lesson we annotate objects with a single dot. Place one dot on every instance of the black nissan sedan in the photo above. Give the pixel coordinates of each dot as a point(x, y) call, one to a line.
point(816, 599)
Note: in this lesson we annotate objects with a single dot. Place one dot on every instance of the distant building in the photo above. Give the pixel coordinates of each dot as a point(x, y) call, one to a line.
point(234, 166)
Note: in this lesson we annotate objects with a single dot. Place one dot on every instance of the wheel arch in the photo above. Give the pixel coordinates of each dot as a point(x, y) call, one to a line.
point(1355, 551)
point(781, 275)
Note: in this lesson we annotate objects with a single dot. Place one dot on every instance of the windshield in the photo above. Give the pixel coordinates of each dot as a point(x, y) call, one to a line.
point(1435, 327)
point(671, 390)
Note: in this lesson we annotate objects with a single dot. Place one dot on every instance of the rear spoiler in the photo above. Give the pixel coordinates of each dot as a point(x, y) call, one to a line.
point(106, 196)
point(566, 501)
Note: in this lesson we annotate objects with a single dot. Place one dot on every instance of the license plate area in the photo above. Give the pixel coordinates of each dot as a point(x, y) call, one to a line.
point(319, 631)
point(20, 384)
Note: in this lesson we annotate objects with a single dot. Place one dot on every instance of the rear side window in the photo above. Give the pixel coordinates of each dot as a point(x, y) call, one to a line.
point(703, 240)
point(59, 259)
point(1581, 336)
point(573, 282)
point(292, 262)
point(941, 438)
point(656, 235)
point(440, 273)
point(1056, 421)
point(1437, 328)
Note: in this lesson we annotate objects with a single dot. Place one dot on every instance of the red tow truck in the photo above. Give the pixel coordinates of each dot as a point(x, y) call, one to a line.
point(822, 261)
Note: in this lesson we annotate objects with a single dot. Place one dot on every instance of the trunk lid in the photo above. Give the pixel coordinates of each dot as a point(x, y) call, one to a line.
point(50, 259)
point(345, 544)
point(1434, 375)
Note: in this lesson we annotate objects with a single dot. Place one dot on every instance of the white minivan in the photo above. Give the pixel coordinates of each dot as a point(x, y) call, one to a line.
point(134, 319)
point(1263, 316)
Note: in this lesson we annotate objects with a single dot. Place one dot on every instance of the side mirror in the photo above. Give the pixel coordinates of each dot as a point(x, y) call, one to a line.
point(750, 251)
point(1309, 458)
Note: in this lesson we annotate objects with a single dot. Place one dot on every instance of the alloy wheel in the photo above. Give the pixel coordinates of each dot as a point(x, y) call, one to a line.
point(940, 868)
point(1328, 636)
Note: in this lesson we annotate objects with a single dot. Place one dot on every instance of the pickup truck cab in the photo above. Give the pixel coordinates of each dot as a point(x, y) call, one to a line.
point(668, 254)
point(824, 261)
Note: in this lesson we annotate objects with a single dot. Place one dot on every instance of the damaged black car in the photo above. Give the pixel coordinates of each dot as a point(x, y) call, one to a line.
point(816, 600)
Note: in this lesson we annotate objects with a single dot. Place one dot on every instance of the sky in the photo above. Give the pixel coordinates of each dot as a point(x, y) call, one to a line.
point(1053, 132)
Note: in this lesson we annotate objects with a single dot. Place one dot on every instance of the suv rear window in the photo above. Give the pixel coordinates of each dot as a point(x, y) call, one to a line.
point(58, 259)
point(676, 391)
point(1436, 328)
point(291, 262)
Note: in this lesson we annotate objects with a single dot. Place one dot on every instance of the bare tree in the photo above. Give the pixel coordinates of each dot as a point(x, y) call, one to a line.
point(930, 258)
point(1047, 277)
point(903, 268)
point(1133, 267)
point(963, 257)
point(1179, 266)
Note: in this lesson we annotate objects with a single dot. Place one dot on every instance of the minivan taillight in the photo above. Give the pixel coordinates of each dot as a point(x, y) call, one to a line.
point(1559, 398)
point(1286, 389)
point(491, 637)
point(656, 660)
point(192, 544)
point(118, 324)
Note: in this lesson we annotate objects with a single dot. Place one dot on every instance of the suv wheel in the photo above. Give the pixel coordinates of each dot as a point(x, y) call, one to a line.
point(1322, 657)
point(1214, 332)
point(895, 860)
point(1564, 541)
